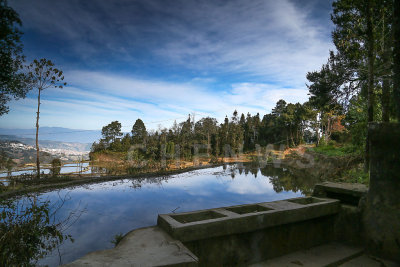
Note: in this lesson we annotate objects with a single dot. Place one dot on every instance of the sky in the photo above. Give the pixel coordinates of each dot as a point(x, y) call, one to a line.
point(160, 60)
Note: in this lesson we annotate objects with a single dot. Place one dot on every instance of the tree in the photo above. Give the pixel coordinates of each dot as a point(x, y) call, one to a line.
point(396, 57)
point(139, 132)
point(111, 131)
point(42, 75)
point(13, 82)
point(206, 127)
point(126, 142)
point(186, 137)
point(361, 65)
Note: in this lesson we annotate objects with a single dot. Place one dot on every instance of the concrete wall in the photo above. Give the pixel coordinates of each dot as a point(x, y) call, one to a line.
point(247, 234)
point(253, 247)
point(382, 213)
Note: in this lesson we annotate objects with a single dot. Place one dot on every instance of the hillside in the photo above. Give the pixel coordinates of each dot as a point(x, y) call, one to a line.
point(58, 134)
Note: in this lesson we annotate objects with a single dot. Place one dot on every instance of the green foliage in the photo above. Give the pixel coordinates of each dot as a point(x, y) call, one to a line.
point(42, 75)
point(27, 232)
point(357, 80)
point(111, 131)
point(6, 162)
point(55, 167)
point(13, 82)
point(357, 175)
point(286, 124)
point(139, 132)
point(356, 120)
point(117, 239)
point(331, 149)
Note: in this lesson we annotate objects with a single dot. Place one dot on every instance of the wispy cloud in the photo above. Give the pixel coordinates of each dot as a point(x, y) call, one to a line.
point(275, 41)
point(96, 98)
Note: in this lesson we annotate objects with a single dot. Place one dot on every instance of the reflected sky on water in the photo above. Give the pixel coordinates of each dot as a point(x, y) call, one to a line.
point(119, 206)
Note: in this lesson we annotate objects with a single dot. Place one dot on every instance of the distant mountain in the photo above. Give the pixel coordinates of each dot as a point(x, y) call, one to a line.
point(48, 144)
point(58, 134)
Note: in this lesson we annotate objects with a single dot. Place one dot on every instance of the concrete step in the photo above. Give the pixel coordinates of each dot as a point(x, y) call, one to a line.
point(368, 261)
point(332, 254)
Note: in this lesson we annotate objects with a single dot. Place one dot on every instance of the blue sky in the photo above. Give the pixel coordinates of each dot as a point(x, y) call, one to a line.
point(161, 60)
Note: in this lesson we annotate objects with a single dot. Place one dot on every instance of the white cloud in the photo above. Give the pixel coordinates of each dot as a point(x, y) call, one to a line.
point(273, 40)
point(97, 98)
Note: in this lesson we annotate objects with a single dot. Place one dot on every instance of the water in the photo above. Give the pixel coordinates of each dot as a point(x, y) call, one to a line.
point(120, 206)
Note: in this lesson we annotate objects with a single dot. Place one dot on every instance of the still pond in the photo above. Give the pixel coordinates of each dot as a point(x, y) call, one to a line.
point(110, 208)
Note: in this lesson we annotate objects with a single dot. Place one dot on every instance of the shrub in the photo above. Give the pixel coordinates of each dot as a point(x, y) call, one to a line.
point(55, 167)
point(27, 232)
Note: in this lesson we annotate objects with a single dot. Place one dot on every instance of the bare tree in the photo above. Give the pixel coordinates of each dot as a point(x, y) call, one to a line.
point(42, 75)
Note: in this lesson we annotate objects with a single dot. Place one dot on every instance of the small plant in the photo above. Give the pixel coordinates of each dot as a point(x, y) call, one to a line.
point(117, 239)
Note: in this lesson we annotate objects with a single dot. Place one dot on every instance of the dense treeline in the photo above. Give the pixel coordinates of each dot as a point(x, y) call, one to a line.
point(287, 124)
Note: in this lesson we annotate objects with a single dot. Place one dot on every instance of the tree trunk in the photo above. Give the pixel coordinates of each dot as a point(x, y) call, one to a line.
point(386, 66)
point(371, 58)
point(385, 99)
point(396, 57)
point(37, 138)
point(317, 128)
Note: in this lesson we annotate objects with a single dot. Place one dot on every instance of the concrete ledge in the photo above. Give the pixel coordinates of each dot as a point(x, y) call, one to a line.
point(347, 193)
point(205, 224)
point(142, 247)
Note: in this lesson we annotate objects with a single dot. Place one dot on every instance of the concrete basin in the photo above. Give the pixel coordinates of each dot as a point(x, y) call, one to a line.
point(197, 216)
point(243, 209)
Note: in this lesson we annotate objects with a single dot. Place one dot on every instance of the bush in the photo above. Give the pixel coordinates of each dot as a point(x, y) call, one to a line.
point(27, 232)
point(55, 167)
point(357, 175)
point(331, 149)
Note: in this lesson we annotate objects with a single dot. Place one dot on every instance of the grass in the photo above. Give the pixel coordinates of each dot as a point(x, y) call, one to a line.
point(356, 175)
point(334, 150)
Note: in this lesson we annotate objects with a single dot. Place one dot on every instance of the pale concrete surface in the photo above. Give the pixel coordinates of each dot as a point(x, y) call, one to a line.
point(142, 247)
point(368, 261)
point(331, 254)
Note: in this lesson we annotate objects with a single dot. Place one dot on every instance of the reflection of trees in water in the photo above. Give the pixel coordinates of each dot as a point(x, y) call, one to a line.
point(30, 229)
point(138, 182)
point(241, 168)
point(283, 180)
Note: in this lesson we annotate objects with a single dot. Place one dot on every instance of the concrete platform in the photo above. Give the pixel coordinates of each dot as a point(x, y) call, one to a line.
point(225, 221)
point(332, 254)
point(368, 261)
point(345, 192)
point(142, 247)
